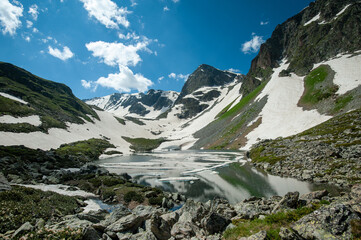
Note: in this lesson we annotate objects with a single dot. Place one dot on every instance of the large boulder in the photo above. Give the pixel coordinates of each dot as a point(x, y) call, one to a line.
point(290, 200)
point(159, 227)
point(214, 223)
point(328, 222)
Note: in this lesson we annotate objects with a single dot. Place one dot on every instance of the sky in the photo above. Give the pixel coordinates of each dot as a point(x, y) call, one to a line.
point(98, 47)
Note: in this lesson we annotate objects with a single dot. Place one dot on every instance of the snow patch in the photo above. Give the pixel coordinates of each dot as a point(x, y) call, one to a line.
point(59, 188)
point(315, 18)
point(13, 98)
point(281, 117)
point(348, 72)
point(33, 120)
point(91, 206)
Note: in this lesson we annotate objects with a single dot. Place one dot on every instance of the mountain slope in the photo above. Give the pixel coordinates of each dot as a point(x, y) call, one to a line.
point(149, 105)
point(53, 102)
point(310, 68)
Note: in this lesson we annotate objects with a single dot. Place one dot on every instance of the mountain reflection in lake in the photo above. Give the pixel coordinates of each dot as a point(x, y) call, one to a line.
point(204, 175)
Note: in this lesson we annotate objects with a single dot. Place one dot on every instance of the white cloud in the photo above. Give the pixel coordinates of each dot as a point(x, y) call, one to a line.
point(160, 79)
point(264, 23)
point(27, 38)
point(252, 45)
point(107, 12)
point(33, 11)
point(165, 9)
point(86, 84)
point(62, 55)
point(175, 1)
point(117, 53)
point(9, 16)
point(129, 36)
point(234, 70)
point(134, 3)
point(178, 76)
point(124, 81)
point(29, 24)
point(35, 30)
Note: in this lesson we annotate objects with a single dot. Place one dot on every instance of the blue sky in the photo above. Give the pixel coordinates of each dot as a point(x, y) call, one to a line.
point(98, 47)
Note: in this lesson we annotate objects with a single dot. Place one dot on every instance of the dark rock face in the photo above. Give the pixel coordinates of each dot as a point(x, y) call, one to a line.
point(303, 45)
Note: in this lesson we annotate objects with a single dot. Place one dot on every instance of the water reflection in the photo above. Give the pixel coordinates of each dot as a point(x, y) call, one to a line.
point(219, 174)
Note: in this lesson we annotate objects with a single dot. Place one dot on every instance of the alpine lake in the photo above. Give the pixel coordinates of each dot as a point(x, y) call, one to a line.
point(205, 175)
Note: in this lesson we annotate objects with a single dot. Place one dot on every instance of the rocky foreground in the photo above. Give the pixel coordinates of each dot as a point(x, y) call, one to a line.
point(315, 215)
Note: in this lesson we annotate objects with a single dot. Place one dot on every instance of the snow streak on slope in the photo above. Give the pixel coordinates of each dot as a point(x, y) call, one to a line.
point(13, 98)
point(281, 117)
point(33, 120)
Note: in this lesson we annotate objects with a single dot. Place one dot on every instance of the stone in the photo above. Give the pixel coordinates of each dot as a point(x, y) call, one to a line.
point(4, 184)
point(356, 192)
point(290, 200)
point(184, 230)
point(170, 218)
point(314, 195)
point(144, 211)
point(143, 236)
point(90, 233)
point(262, 235)
point(159, 227)
point(287, 234)
point(26, 227)
point(116, 214)
point(72, 222)
point(328, 222)
point(196, 210)
point(214, 223)
point(127, 223)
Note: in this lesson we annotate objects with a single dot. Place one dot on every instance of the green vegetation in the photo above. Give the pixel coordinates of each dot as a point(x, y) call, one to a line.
point(144, 144)
point(134, 120)
point(91, 148)
point(120, 120)
point(53, 102)
point(21, 205)
point(243, 102)
point(224, 110)
point(258, 154)
point(356, 229)
point(272, 223)
point(68, 234)
point(313, 93)
point(18, 127)
point(133, 196)
point(341, 102)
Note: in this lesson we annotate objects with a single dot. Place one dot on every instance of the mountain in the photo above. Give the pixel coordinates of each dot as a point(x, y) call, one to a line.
point(149, 105)
point(306, 73)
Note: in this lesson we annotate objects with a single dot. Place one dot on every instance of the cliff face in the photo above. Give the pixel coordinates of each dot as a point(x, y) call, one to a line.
point(323, 30)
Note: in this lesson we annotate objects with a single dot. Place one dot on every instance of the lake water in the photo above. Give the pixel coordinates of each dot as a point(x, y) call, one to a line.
point(204, 175)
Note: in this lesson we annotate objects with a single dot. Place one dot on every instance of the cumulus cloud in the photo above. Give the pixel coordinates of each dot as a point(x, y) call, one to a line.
point(9, 16)
point(33, 11)
point(114, 54)
point(62, 55)
point(27, 38)
point(252, 45)
point(107, 12)
point(178, 76)
point(264, 23)
point(165, 9)
point(134, 3)
point(124, 81)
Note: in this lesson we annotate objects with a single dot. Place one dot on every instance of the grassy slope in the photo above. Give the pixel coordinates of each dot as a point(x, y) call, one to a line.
point(144, 144)
point(224, 131)
point(54, 102)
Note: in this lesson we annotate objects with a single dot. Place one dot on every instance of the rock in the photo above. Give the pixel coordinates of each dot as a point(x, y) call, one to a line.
point(159, 227)
point(176, 197)
point(184, 230)
point(144, 212)
point(214, 223)
point(356, 192)
point(124, 236)
point(196, 210)
point(290, 200)
point(26, 227)
point(90, 233)
point(170, 218)
point(150, 194)
point(72, 222)
point(15, 178)
point(314, 195)
point(4, 184)
point(262, 235)
point(127, 223)
point(328, 222)
point(287, 234)
point(126, 176)
point(116, 214)
point(143, 236)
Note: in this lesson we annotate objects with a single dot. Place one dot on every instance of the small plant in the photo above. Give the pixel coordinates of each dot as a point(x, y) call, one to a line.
point(133, 196)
